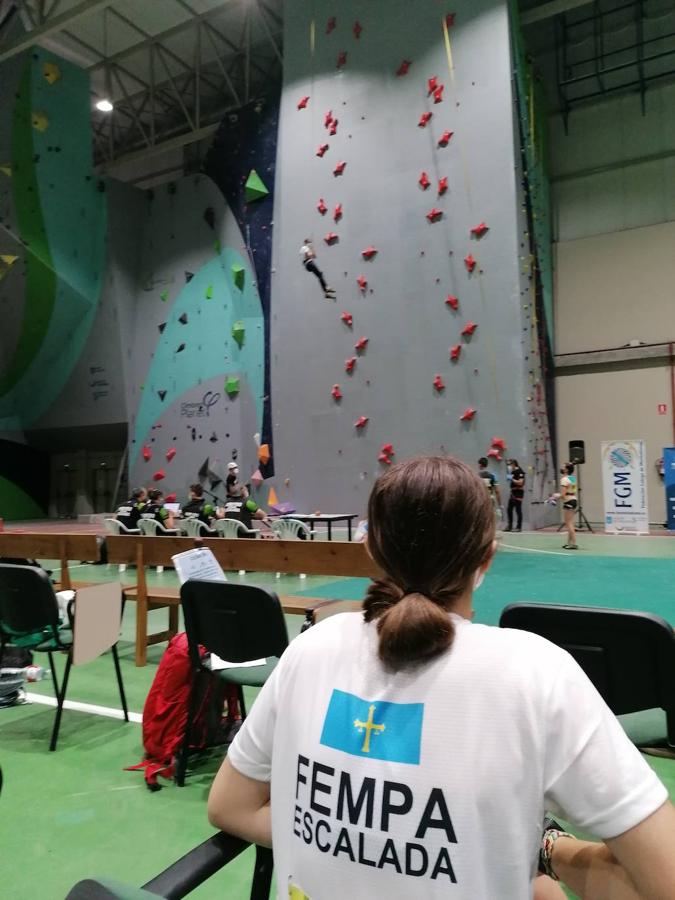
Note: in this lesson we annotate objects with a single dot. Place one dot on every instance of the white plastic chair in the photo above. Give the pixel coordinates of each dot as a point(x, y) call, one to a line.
point(195, 528)
point(113, 526)
point(290, 530)
point(153, 528)
point(233, 528)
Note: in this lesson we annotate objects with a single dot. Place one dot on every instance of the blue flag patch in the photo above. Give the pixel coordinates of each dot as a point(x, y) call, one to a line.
point(374, 729)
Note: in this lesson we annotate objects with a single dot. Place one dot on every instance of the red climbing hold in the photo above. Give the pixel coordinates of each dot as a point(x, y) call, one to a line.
point(455, 352)
point(432, 84)
point(404, 68)
point(333, 127)
point(170, 453)
point(445, 138)
point(328, 119)
point(349, 364)
point(331, 238)
point(336, 393)
point(383, 458)
point(424, 181)
point(498, 442)
point(361, 344)
point(439, 384)
point(469, 329)
point(147, 454)
point(322, 149)
point(337, 212)
point(442, 185)
point(450, 19)
point(388, 449)
point(362, 283)
point(341, 59)
point(339, 169)
point(361, 422)
point(479, 230)
point(435, 214)
point(321, 206)
point(159, 475)
point(424, 119)
point(330, 24)
point(495, 454)
point(357, 28)
point(348, 319)
point(470, 262)
point(438, 94)
point(369, 252)
point(302, 104)
point(452, 301)
point(468, 414)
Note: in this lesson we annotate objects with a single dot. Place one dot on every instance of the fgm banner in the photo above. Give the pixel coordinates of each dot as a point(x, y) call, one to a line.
point(624, 480)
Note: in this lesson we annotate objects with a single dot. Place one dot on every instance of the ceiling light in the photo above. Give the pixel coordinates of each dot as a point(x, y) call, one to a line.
point(104, 105)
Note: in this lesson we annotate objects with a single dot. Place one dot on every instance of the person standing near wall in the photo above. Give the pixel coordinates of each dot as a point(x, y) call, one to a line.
point(491, 483)
point(233, 488)
point(568, 495)
point(308, 254)
point(517, 478)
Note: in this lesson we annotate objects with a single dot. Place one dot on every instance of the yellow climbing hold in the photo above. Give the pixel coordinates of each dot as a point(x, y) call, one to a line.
point(40, 121)
point(272, 499)
point(51, 72)
point(8, 259)
point(6, 169)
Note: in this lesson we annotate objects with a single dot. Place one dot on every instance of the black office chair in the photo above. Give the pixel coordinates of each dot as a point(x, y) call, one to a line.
point(29, 618)
point(238, 622)
point(629, 656)
point(181, 878)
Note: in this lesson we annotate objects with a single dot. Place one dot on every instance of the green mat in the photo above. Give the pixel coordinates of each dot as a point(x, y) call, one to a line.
point(644, 584)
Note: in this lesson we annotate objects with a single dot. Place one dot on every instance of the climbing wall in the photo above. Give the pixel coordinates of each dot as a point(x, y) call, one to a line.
point(195, 355)
point(397, 158)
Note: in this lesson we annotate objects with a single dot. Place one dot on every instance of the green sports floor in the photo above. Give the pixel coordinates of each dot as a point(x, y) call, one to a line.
point(75, 812)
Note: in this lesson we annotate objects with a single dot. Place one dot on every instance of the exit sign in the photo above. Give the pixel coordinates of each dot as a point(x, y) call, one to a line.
point(662, 409)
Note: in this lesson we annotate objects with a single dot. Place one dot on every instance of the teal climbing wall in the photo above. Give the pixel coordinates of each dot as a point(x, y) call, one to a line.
point(57, 229)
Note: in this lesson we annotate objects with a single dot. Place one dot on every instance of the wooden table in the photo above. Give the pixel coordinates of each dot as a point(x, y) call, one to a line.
point(329, 518)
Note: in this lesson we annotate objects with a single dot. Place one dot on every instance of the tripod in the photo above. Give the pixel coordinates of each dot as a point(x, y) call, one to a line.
point(582, 521)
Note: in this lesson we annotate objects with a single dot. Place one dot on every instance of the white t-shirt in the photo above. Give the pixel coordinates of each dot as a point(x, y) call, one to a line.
point(433, 783)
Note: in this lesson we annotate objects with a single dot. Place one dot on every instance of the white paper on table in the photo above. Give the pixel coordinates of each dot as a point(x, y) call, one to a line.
point(217, 663)
point(198, 563)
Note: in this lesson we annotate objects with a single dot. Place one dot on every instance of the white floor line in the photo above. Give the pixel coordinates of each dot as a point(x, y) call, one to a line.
point(533, 550)
point(108, 711)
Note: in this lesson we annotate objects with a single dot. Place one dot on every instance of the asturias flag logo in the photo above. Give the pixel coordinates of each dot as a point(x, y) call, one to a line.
point(379, 730)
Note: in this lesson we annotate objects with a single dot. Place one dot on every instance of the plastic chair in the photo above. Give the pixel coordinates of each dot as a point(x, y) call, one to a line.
point(185, 875)
point(233, 528)
point(291, 530)
point(195, 528)
point(29, 614)
point(153, 528)
point(113, 526)
point(628, 655)
point(238, 622)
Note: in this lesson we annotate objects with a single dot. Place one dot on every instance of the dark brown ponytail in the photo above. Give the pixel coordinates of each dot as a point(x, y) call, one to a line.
point(430, 527)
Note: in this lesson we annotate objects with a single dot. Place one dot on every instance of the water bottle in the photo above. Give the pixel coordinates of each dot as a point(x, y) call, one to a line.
point(34, 673)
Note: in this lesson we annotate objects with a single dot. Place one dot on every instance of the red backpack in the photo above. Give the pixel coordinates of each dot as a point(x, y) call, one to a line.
point(166, 708)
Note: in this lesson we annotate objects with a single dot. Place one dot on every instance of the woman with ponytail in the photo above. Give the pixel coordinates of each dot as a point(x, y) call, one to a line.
point(405, 751)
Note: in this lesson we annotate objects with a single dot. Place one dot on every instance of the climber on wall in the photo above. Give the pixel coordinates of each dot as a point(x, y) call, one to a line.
point(308, 255)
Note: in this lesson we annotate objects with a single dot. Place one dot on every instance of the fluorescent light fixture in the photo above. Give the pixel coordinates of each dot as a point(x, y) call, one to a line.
point(104, 105)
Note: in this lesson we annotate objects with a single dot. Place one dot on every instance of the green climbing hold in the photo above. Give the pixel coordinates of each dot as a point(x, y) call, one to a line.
point(239, 333)
point(238, 274)
point(232, 386)
point(164, 296)
point(209, 292)
point(255, 187)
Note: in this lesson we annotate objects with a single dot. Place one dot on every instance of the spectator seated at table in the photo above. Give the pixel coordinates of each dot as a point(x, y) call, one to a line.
point(130, 512)
point(198, 507)
point(244, 510)
point(155, 509)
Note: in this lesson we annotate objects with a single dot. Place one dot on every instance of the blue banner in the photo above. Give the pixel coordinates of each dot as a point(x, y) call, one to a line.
point(669, 484)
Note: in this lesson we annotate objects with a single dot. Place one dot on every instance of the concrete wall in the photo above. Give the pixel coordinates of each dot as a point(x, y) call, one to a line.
point(328, 463)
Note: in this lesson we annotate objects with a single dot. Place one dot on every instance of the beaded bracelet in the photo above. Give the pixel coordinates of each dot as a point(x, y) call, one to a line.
point(548, 839)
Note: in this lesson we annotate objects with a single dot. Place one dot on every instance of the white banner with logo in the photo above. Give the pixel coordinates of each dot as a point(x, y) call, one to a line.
point(624, 480)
